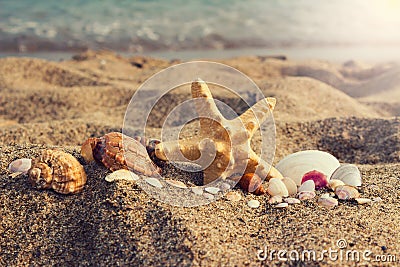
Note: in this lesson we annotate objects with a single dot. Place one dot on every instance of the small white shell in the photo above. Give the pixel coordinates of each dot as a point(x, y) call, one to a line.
point(212, 190)
point(122, 174)
point(291, 200)
point(253, 203)
point(305, 195)
point(349, 174)
point(377, 199)
point(277, 188)
point(275, 200)
point(308, 185)
point(154, 182)
point(290, 185)
point(282, 205)
point(328, 202)
point(208, 196)
point(297, 164)
point(20, 165)
point(325, 195)
point(197, 190)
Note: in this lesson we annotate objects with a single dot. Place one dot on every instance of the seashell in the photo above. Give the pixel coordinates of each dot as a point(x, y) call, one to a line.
point(154, 182)
point(328, 202)
point(297, 164)
point(122, 175)
point(348, 174)
point(175, 183)
point(290, 185)
point(208, 196)
point(233, 196)
point(377, 199)
point(275, 200)
point(253, 203)
point(307, 186)
point(319, 179)
point(212, 190)
point(344, 192)
point(251, 182)
point(282, 205)
point(57, 170)
point(325, 195)
point(225, 186)
point(117, 151)
point(20, 165)
point(333, 183)
point(291, 200)
point(197, 190)
point(277, 188)
point(306, 195)
point(362, 201)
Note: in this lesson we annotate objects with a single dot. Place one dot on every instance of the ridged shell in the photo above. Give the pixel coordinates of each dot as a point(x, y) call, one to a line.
point(297, 164)
point(277, 188)
point(57, 170)
point(349, 174)
point(116, 151)
point(290, 185)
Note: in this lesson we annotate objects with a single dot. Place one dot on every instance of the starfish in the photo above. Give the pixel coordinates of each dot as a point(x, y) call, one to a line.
point(223, 146)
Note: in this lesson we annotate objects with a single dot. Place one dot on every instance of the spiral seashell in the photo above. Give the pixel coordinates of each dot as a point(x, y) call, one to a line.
point(251, 182)
point(57, 170)
point(117, 151)
point(348, 174)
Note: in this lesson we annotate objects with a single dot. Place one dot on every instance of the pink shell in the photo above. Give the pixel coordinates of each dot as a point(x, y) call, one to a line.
point(320, 179)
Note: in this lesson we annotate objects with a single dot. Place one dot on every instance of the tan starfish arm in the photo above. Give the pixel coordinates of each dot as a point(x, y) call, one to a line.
point(262, 168)
point(257, 114)
point(205, 106)
point(173, 150)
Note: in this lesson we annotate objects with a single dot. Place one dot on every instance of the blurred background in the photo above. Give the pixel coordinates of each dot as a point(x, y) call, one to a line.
point(334, 30)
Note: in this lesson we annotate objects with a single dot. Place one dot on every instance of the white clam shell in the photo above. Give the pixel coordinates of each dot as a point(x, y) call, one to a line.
point(122, 175)
point(306, 195)
point(20, 165)
point(290, 185)
point(348, 174)
point(345, 192)
point(253, 203)
point(362, 201)
point(328, 202)
point(291, 200)
point(308, 185)
point(233, 196)
point(333, 183)
point(282, 205)
point(277, 188)
point(275, 200)
point(297, 164)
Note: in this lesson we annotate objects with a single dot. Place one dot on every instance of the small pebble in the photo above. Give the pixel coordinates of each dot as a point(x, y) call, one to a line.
point(233, 196)
point(291, 200)
point(253, 203)
point(275, 200)
point(282, 205)
point(176, 183)
point(197, 190)
point(362, 201)
point(154, 182)
point(208, 196)
point(212, 190)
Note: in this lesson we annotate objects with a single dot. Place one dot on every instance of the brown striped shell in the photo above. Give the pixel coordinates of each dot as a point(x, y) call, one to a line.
point(57, 170)
point(116, 151)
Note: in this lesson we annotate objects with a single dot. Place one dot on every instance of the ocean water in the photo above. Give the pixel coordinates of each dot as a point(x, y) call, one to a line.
point(178, 25)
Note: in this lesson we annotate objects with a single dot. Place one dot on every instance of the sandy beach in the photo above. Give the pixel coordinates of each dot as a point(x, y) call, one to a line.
point(349, 110)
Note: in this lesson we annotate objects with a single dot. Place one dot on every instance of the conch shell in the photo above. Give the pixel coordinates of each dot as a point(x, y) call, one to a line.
point(57, 170)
